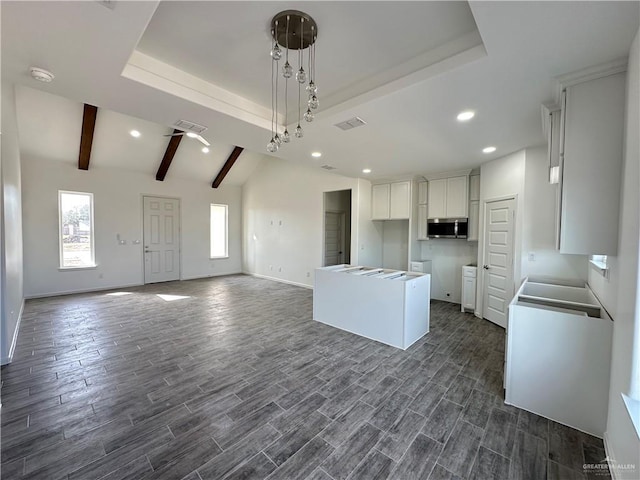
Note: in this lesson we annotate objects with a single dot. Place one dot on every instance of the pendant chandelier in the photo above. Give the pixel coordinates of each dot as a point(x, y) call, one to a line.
point(292, 32)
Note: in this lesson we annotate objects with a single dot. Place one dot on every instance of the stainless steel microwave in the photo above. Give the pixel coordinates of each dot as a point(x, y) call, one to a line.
point(447, 228)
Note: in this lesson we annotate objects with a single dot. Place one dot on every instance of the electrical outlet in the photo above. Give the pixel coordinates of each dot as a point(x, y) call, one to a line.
point(100, 275)
point(279, 269)
point(308, 274)
point(532, 257)
point(270, 267)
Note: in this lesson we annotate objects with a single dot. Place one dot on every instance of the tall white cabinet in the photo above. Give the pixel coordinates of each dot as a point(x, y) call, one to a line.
point(591, 165)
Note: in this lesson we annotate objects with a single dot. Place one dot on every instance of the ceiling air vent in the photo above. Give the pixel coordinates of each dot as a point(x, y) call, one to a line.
point(328, 167)
point(351, 123)
point(187, 126)
point(110, 4)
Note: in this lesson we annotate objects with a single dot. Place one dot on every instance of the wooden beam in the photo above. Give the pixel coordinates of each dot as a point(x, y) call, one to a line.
point(227, 166)
point(86, 138)
point(174, 142)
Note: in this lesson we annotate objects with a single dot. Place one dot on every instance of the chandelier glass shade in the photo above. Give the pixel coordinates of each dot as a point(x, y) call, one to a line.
point(293, 33)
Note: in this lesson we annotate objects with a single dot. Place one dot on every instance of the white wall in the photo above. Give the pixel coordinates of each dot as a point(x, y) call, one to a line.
point(538, 229)
point(501, 178)
point(620, 293)
point(283, 221)
point(118, 210)
point(448, 256)
point(11, 282)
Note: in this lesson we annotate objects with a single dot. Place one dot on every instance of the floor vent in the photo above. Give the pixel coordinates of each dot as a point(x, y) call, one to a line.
point(187, 126)
point(351, 123)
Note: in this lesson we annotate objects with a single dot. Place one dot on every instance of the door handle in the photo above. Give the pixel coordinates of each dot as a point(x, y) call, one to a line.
point(486, 267)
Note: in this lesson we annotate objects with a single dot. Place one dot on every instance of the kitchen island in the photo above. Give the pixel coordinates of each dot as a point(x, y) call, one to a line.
point(389, 306)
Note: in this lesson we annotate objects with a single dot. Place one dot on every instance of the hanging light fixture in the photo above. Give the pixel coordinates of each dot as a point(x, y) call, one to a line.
point(292, 30)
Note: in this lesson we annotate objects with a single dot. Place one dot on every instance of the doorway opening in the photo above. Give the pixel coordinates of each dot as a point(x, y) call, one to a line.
point(336, 236)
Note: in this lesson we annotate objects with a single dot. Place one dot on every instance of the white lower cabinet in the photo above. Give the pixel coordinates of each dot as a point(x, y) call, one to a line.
point(468, 302)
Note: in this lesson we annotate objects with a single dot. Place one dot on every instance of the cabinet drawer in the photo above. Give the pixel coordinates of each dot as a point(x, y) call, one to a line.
point(468, 271)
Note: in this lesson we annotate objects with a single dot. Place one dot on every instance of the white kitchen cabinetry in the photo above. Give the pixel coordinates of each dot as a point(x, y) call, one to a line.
point(474, 208)
point(591, 165)
point(391, 201)
point(388, 306)
point(558, 355)
point(469, 273)
point(449, 197)
point(422, 211)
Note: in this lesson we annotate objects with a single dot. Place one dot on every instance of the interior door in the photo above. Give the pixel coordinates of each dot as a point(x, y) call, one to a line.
point(498, 258)
point(334, 242)
point(161, 239)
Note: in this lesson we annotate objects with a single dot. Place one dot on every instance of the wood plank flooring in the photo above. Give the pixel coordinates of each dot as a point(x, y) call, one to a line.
point(230, 378)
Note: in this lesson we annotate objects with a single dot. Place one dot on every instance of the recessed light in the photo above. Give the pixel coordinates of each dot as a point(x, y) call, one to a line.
point(488, 149)
point(134, 133)
point(205, 150)
point(316, 154)
point(466, 115)
point(366, 170)
point(192, 135)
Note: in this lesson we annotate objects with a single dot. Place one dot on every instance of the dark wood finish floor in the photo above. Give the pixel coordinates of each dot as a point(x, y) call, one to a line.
point(230, 378)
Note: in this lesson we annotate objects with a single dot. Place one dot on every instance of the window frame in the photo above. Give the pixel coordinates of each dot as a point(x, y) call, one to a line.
point(226, 231)
point(61, 265)
point(599, 263)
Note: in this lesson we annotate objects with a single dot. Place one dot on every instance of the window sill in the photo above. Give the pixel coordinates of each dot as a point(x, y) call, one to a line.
point(71, 269)
point(600, 267)
point(218, 258)
point(633, 408)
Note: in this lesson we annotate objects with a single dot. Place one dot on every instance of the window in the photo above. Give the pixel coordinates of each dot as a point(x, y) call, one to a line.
point(599, 262)
point(75, 210)
point(218, 226)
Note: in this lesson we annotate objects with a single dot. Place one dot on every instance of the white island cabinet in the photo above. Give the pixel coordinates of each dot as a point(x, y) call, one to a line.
point(389, 306)
point(558, 355)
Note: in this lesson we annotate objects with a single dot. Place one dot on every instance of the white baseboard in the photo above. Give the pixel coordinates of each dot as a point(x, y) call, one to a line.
point(611, 459)
point(198, 277)
point(82, 290)
point(280, 280)
point(14, 340)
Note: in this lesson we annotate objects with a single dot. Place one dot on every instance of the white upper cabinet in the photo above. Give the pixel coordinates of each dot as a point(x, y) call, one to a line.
point(449, 197)
point(422, 193)
point(591, 166)
point(400, 200)
point(380, 202)
point(391, 201)
point(474, 188)
point(437, 201)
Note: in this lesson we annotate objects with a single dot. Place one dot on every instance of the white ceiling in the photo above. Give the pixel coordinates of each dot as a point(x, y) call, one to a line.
point(407, 77)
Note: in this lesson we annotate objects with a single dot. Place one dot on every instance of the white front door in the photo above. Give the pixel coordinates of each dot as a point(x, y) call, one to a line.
point(161, 239)
point(334, 242)
point(498, 260)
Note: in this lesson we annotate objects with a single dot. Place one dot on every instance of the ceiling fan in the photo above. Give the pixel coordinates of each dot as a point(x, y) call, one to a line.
point(201, 139)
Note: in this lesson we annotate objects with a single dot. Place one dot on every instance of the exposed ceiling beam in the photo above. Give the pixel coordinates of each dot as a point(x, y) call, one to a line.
point(227, 166)
point(174, 142)
point(86, 138)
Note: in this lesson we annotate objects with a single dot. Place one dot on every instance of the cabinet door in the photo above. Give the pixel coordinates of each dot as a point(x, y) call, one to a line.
point(592, 166)
point(457, 197)
point(437, 198)
point(474, 187)
point(474, 213)
point(380, 202)
point(422, 193)
point(422, 222)
point(469, 292)
point(400, 200)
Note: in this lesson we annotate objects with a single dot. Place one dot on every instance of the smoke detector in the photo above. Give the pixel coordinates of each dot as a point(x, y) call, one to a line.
point(41, 74)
